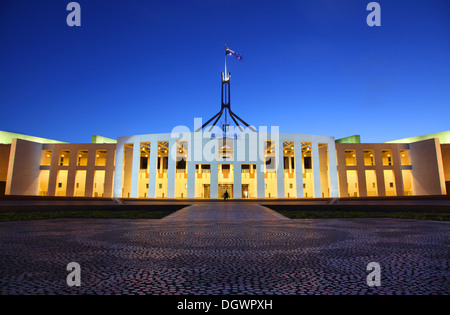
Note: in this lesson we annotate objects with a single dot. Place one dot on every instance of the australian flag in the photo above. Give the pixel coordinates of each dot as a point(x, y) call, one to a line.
point(229, 52)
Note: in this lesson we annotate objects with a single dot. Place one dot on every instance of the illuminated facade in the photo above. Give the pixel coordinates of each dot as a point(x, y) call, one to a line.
point(242, 161)
point(202, 165)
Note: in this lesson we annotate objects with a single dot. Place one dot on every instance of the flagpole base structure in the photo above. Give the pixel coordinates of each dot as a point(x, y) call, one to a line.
point(225, 107)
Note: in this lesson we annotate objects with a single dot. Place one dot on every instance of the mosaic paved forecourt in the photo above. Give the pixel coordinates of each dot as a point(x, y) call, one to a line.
point(224, 255)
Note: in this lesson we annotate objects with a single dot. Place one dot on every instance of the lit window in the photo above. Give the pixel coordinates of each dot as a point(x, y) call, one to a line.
point(404, 157)
point(100, 158)
point(350, 157)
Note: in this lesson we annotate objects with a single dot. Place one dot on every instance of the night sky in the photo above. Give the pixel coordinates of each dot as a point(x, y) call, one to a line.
point(309, 66)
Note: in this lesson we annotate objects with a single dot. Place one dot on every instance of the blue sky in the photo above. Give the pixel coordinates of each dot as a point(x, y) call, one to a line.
point(309, 67)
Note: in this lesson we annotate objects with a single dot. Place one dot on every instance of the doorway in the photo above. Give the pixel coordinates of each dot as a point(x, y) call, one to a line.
point(226, 187)
point(206, 194)
point(245, 191)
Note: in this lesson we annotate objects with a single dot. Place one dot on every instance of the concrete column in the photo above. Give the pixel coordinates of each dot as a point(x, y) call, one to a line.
point(261, 193)
point(280, 168)
point(361, 172)
point(298, 159)
point(316, 169)
point(427, 167)
point(237, 181)
point(90, 172)
point(342, 170)
point(135, 169)
point(171, 169)
point(70, 186)
point(214, 184)
point(397, 172)
point(153, 164)
point(191, 170)
point(334, 186)
point(109, 173)
point(53, 172)
point(238, 157)
point(23, 170)
point(118, 169)
point(379, 173)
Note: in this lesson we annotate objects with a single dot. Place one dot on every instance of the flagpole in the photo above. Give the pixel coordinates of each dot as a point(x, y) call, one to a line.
point(225, 73)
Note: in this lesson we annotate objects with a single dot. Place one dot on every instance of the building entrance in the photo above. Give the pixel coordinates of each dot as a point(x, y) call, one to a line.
point(206, 190)
point(245, 191)
point(226, 187)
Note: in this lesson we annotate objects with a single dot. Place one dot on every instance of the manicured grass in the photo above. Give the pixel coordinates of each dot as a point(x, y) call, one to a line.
point(323, 214)
point(125, 214)
point(417, 212)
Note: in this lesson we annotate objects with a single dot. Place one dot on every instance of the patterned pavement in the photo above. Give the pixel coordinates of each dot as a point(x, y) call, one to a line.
point(326, 256)
point(225, 211)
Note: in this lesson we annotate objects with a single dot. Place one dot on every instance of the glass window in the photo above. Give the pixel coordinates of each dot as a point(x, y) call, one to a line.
point(407, 182)
point(46, 158)
point(82, 158)
point(64, 157)
point(371, 183)
point(369, 158)
point(352, 183)
point(350, 157)
point(404, 157)
point(389, 180)
point(387, 157)
point(100, 158)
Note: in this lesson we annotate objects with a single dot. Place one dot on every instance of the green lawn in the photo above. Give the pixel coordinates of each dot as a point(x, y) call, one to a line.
point(125, 214)
point(323, 214)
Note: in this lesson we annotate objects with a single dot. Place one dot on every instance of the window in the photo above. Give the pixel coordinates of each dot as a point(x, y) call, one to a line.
point(407, 182)
point(369, 159)
point(389, 179)
point(100, 158)
point(307, 162)
point(350, 157)
point(371, 180)
point(144, 163)
point(80, 180)
point(64, 157)
point(82, 158)
point(46, 158)
point(404, 157)
point(352, 182)
point(387, 157)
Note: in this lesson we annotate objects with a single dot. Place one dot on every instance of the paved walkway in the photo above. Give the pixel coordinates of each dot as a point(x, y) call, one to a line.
point(326, 256)
point(225, 211)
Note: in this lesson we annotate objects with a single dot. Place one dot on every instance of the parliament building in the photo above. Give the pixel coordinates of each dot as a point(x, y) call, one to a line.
point(240, 160)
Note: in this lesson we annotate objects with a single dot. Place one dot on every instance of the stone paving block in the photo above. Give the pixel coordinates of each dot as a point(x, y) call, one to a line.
point(271, 257)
